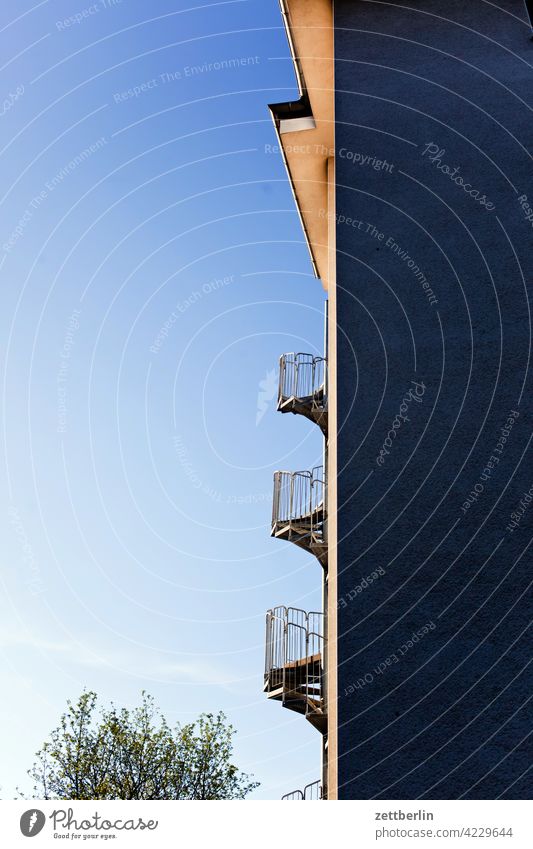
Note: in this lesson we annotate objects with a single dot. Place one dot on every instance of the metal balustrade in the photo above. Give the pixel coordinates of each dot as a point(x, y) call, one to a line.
point(311, 793)
point(295, 796)
point(302, 387)
point(298, 510)
point(294, 652)
point(302, 376)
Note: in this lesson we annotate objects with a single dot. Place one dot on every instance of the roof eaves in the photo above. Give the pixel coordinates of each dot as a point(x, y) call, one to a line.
point(294, 116)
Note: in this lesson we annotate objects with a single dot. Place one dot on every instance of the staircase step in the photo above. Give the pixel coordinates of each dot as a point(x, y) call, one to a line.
point(311, 408)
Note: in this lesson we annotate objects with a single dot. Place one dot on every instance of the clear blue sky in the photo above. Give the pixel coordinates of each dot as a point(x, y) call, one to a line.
point(136, 477)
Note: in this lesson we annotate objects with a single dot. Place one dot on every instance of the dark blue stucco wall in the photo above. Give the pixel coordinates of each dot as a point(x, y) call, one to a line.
point(426, 383)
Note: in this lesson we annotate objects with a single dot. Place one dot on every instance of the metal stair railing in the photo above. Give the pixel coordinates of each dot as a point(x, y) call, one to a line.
point(302, 376)
point(311, 793)
point(295, 796)
point(299, 498)
point(292, 635)
point(286, 638)
point(314, 647)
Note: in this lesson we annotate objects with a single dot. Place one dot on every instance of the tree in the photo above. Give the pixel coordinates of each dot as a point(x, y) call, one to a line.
point(135, 754)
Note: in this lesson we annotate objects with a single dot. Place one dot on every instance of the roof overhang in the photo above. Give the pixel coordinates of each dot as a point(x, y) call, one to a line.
point(305, 127)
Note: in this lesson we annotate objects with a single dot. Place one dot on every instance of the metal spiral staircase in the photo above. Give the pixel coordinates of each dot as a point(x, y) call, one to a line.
point(294, 662)
point(298, 510)
point(302, 387)
point(294, 657)
point(311, 793)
